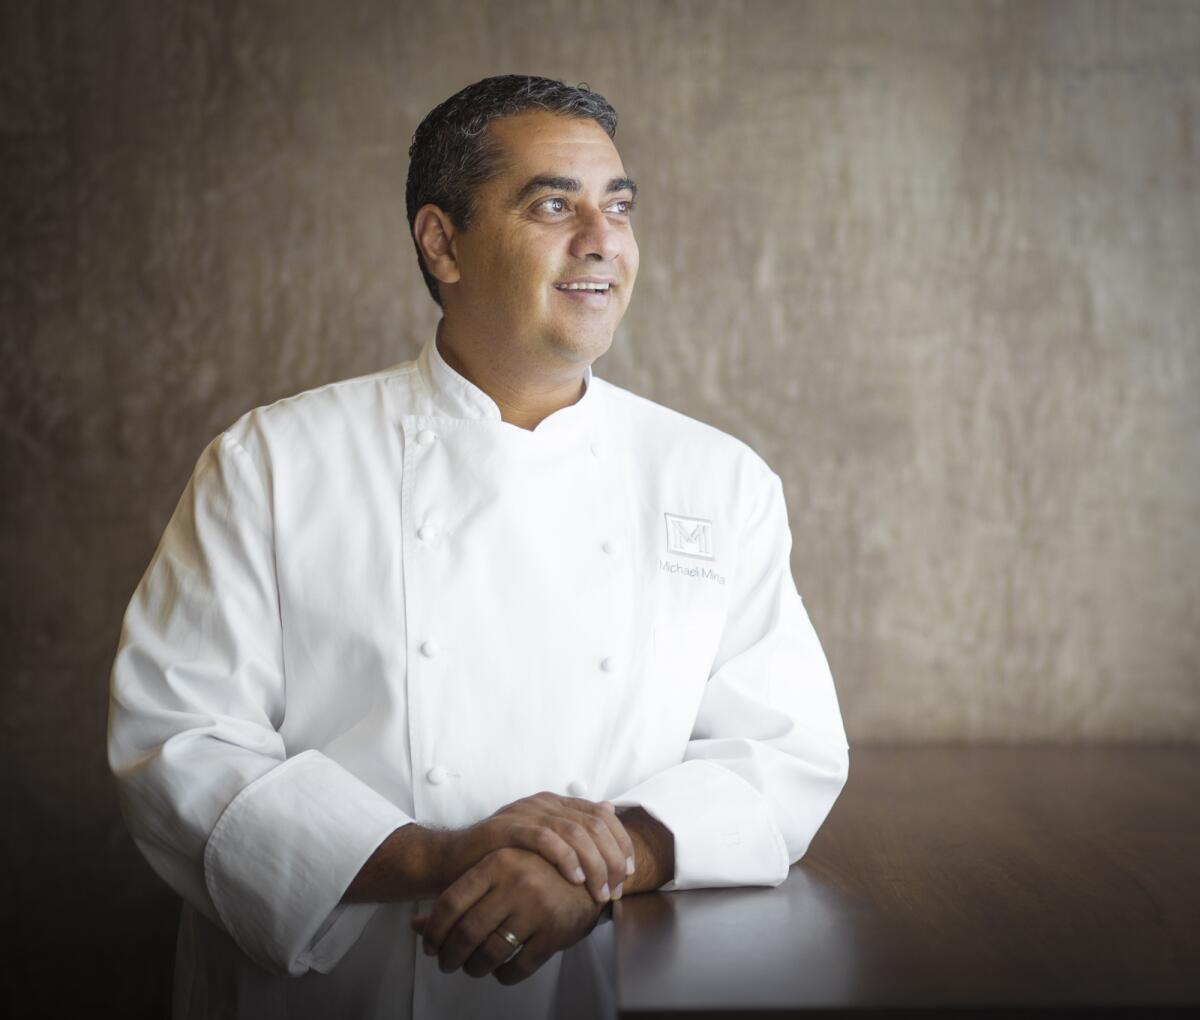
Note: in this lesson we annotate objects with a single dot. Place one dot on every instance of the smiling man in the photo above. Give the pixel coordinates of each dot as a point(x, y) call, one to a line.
point(480, 637)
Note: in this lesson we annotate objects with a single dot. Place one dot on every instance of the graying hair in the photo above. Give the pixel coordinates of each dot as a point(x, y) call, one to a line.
point(452, 152)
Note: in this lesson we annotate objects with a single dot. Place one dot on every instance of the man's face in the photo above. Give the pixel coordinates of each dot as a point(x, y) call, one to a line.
point(558, 213)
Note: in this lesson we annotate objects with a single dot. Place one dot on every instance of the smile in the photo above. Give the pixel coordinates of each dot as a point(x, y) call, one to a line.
point(595, 293)
point(596, 287)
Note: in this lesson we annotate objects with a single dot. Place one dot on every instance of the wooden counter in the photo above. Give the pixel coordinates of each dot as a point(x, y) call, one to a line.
point(951, 877)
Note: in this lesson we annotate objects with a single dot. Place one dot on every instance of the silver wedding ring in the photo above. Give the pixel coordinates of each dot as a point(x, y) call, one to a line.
point(513, 941)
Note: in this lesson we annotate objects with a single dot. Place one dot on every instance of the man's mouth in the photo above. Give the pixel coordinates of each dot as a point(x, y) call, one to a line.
point(592, 292)
point(593, 287)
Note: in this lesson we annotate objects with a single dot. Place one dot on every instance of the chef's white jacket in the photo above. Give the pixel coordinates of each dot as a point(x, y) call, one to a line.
point(379, 603)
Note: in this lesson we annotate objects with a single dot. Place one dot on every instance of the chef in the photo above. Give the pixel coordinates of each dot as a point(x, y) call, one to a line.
point(432, 665)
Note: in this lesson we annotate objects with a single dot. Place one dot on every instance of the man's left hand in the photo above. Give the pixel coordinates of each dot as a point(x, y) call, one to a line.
point(516, 890)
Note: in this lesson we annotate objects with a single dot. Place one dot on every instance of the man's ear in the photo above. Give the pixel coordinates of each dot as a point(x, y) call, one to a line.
point(434, 234)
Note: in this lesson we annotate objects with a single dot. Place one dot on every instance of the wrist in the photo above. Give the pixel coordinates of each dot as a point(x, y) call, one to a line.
point(454, 852)
point(432, 854)
point(451, 853)
point(403, 867)
point(654, 850)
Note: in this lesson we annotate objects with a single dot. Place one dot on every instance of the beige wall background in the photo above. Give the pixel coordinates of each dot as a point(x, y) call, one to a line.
point(937, 262)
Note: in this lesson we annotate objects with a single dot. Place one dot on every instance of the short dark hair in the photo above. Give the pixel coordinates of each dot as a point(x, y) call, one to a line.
point(452, 152)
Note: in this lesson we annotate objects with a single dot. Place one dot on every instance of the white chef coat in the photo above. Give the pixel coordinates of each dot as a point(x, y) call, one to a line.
point(379, 603)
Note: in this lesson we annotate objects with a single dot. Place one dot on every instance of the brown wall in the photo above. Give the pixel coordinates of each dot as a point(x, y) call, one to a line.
point(937, 262)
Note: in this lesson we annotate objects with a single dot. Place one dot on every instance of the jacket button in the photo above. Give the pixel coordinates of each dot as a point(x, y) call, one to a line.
point(436, 775)
point(608, 664)
point(425, 437)
point(577, 788)
point(429, 649)
point(609, 547)
point(427, 532)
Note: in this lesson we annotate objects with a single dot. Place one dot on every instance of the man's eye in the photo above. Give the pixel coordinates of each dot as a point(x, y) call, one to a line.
point(622, 208)
point(548, 204)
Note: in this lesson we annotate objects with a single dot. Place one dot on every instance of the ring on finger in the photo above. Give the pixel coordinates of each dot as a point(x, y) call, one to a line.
point(513, 941)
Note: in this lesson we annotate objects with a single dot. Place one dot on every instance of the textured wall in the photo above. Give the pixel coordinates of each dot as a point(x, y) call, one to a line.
point(937, 262)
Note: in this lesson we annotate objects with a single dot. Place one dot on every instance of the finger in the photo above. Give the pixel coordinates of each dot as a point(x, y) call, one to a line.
point(576, 830)
point(536, 952)
point(473, 929)
point(456, 900)
point(603, 828)
point(550, 845)
point(597, 838)
point(419, 922)
point(609, 815)
point(495, 949)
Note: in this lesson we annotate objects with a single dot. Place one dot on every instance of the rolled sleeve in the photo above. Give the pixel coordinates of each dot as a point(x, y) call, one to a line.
point(284, 852)
point(724, 833)
point(261, 841)
point(768, 755)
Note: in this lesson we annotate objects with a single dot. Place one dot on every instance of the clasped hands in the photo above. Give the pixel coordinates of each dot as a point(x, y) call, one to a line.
point(545, 866)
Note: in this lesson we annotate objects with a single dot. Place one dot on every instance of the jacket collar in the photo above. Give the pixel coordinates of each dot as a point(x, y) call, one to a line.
point(455, 396)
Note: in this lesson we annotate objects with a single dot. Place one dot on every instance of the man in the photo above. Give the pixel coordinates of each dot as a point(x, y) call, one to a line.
point(480, 628)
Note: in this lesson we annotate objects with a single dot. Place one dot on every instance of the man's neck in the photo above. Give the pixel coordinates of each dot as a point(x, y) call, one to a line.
point(525, 394)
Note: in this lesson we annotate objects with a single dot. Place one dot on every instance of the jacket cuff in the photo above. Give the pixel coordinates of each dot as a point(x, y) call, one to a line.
point(284, 852)
point(724, 832)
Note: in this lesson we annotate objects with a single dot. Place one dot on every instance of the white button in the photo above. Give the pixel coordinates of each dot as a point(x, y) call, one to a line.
point(577, 788)
point(608, 665)
point(429, 649)
point(425, 437)
point(597, 449)
point(427, 532)
point(609, 546)
point(436, 775)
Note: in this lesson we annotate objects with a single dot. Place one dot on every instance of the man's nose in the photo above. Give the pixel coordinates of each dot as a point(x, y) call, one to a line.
point(597, 237)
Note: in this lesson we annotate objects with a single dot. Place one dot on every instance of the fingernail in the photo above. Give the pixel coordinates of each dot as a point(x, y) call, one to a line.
point(629, 868)
point(604, 892)
point(617, 894)
point(429, 950)
point(579, 876)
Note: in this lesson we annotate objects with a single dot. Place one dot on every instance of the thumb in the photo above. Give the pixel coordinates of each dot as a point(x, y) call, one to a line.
point(418, 922)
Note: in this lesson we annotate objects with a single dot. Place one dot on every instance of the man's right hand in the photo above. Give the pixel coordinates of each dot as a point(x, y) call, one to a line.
point(584, 840)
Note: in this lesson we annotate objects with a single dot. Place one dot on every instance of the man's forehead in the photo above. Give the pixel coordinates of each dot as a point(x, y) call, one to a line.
point(540, 142)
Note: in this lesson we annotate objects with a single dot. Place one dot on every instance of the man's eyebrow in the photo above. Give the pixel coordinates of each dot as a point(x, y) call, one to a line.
point(549, 182)
point(622, 184)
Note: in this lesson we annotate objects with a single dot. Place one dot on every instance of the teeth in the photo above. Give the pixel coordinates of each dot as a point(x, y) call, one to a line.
point(582, 286)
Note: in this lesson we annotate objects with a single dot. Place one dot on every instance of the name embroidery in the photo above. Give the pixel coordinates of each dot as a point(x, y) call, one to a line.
point(682, 570)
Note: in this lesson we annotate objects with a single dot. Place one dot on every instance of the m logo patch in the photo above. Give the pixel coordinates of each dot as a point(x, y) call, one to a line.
point(689, 536)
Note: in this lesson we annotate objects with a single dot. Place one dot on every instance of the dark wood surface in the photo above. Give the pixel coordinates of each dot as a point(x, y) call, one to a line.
point(988, 877)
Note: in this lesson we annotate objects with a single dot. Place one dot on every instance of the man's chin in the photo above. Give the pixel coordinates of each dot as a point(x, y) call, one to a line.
point(583, 347)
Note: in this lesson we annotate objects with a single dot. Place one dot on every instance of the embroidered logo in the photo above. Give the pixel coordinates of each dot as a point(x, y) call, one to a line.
point(689, 536)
